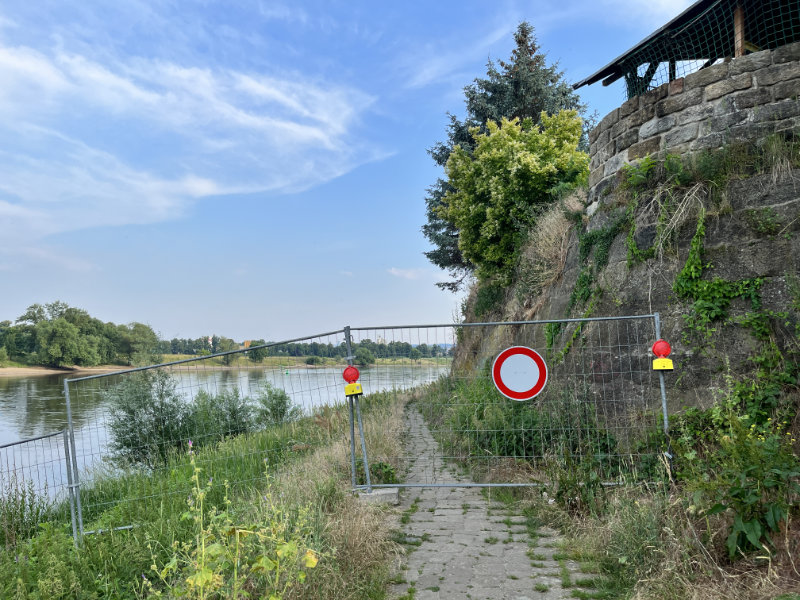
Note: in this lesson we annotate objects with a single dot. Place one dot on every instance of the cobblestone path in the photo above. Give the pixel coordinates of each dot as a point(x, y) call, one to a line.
point(459, 545)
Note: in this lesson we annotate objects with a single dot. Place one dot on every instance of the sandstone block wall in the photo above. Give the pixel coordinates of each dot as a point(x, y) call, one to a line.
point(744, 99)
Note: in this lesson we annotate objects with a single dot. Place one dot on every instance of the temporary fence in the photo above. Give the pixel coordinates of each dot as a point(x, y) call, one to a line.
point(600, 413)
point(34, 484)
point(135, 438)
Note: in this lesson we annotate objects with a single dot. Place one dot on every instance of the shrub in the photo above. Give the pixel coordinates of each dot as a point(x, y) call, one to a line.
point(266, 557)
point(215, 417)
point(274, 407)
point(149, 419)
point(746, 471)
point(364, 357)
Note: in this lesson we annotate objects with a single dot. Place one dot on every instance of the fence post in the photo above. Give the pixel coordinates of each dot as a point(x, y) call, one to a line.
point(71, 488)
point(352, 417)
point(657, 319)
point(353, 400)
point(75, 480)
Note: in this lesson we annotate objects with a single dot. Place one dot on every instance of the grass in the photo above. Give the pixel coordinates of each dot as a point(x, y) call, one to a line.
point(307, 484)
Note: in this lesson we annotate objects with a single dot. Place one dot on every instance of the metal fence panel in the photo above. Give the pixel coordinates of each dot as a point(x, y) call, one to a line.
point(134, 436)
point(34, 485)
point(598, 418)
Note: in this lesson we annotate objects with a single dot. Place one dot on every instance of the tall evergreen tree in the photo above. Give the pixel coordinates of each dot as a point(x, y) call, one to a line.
point(523, 87)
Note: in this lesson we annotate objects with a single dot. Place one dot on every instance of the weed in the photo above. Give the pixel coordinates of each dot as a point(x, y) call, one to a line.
point(22, 509)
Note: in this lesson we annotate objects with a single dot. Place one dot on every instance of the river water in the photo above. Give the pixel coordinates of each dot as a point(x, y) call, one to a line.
point(35, 406)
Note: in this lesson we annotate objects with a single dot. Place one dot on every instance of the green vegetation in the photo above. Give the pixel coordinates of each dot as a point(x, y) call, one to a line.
point(716, 516)
point(556, 439)
point(58, 335)
point(498, 188)
point(523, 88)
point(22, 508)
point(230, 519)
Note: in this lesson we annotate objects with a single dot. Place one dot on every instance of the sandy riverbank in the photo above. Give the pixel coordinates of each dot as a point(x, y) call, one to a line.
point(77, 372)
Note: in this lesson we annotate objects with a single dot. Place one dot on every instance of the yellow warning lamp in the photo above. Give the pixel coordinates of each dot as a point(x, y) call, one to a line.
point(352, 388)
point(662, 350)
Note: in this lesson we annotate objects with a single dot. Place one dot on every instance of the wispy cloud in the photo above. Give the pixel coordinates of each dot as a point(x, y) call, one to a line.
point(88, 143)
point(443, 59)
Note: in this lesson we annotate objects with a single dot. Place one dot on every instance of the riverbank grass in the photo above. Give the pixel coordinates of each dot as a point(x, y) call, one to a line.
point(222, 522)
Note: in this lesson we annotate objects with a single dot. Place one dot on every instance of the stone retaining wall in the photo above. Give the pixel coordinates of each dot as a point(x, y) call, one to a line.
point(744, 99)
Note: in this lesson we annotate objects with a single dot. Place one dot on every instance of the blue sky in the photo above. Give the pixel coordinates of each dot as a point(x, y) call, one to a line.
point(253, 169)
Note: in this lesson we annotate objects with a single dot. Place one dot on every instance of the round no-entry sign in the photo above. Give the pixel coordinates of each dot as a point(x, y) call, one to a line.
point(519, 373)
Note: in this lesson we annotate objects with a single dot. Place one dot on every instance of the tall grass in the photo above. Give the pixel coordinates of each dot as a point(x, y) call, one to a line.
point(293, 468)
point(22, 509)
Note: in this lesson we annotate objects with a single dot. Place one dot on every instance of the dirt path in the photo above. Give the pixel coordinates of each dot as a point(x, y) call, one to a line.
point(460, 545)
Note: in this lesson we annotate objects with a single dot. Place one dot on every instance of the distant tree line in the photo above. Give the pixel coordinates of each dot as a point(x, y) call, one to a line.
point(365, 352)
point(59, 335)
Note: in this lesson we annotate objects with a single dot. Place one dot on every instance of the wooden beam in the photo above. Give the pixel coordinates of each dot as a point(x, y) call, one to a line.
point(738, 31)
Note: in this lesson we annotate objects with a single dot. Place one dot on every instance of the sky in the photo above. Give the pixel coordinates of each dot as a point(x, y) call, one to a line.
point(252, 169)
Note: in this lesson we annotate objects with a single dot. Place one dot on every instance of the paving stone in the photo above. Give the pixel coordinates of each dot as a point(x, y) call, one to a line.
point(454, 560)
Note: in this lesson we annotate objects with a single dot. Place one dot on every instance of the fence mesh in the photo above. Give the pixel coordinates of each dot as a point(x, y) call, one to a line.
point(598, 417)
point(34, 485)
point(237, 417)
point(242, 417)
point(725, 29)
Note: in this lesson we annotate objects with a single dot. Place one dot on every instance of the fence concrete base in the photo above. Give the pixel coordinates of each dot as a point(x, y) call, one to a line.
point(381, 496)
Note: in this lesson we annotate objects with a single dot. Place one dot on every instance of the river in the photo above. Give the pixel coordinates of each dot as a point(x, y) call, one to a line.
point(35, 406)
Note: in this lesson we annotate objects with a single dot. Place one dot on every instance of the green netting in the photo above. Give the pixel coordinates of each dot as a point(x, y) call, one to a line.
point(707, 38)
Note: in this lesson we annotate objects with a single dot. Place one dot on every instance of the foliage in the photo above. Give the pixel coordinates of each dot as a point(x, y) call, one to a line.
point(256, 354)
point(22, 509)
point(522, 88)
point(149, 420)
point(711, 298)
point(59, 335)
point(482, 423)
point(275, 407)
point(488, 297)
point(226, 558)
point(349, 539)
point(500, 187)
point(380, 473)
point(224, 344)
point(744, 468)
point(364, 356)
point(212, 417)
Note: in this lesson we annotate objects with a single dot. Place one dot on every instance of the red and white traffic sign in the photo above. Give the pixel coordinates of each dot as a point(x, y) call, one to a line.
point(519, 373)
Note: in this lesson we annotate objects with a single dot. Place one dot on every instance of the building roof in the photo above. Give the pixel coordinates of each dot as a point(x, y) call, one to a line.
point(706, 31)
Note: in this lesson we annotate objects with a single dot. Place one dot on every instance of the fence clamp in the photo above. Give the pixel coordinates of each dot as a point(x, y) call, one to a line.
point(353, 387)
point(662, 350)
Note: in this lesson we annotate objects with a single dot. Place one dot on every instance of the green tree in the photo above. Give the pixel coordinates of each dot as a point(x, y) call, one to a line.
point(522, 88)
point(149, 420)
point(364, 357)
point(33, 315)
point(227, 345)
point(498, 189)
point(59, 344)
point(256, 354)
